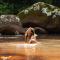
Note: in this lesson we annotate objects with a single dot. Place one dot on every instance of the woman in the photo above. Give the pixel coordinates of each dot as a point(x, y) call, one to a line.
point(33, 38)
point(30, 31)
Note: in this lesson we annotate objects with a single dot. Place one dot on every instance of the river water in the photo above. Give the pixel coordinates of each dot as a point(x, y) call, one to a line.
point(47, 48)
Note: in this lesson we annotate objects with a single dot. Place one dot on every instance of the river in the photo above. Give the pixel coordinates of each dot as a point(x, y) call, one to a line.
point(45, 49)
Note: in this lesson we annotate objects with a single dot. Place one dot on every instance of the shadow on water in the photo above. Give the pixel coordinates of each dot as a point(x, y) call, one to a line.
point(11, 38)
point(19, 38)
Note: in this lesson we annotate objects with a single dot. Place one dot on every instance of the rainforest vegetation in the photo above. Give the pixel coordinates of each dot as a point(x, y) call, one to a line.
point(15, 6)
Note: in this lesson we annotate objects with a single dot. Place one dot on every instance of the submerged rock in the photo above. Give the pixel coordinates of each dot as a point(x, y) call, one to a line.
point(41, 15)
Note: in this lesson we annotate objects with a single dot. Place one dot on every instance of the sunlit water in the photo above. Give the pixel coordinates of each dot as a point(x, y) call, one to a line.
point(5, 57)
point(27, 49)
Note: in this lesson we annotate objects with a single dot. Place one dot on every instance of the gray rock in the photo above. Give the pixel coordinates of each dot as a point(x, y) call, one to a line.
point(10, 24)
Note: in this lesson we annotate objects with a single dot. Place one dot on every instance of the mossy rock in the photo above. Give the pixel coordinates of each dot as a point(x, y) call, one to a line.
point(10, 25)
point(42, 15)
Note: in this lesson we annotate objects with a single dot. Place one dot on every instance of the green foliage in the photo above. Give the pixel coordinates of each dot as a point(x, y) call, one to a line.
point(5, 8)
point(47, 1)
point(14, 6)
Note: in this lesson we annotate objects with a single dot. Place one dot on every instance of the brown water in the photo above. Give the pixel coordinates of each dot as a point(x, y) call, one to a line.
point(44, 49)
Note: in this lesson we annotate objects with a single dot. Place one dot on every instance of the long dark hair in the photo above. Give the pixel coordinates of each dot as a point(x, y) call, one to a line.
point(33, 31)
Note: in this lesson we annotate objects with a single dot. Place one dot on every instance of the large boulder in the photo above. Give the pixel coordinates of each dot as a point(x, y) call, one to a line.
point(41, 15)
point(10, 25)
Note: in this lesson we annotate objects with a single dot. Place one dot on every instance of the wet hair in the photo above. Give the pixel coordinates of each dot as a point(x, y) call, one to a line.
point(32, 32)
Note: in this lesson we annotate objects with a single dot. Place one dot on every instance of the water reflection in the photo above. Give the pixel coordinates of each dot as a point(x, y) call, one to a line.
point(5, 57)
point(22, 52)
point(20, 58)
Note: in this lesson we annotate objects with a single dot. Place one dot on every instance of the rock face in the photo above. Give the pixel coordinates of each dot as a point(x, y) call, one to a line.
point(10, 25)
point(41, 15)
